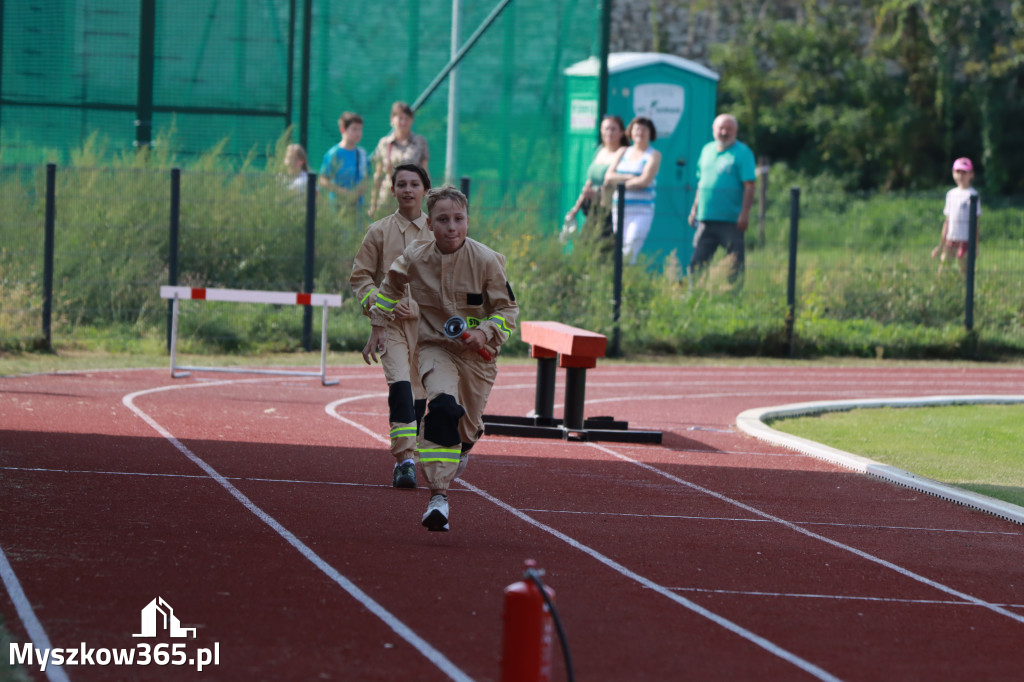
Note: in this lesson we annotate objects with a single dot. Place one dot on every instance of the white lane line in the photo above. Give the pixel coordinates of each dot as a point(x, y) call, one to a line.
point(401, 629)
point(300, 481)
point(837, 597)
point(803, 531)
point(35, 630)
point(756, 639)
point(736, 629)
point(747, 520)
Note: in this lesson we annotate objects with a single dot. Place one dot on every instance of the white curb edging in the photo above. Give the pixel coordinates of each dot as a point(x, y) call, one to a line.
point(752, 422)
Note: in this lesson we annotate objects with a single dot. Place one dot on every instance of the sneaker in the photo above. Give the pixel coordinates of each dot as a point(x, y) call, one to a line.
point(404, 475)
point(436, 516)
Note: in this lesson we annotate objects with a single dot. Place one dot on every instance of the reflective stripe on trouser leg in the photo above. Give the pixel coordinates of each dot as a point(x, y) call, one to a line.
point(468, 379)
point(404, 387)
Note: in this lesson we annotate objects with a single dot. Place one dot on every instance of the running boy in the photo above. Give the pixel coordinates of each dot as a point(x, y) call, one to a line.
point(956, 226)
point(452, 275)
point(385, 241)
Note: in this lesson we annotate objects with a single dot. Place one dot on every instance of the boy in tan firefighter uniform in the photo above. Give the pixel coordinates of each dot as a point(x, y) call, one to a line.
point(453, 275)
point(385, 240)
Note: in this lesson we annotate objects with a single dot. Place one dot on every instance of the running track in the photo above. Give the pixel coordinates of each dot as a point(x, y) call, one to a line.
point(260, 510)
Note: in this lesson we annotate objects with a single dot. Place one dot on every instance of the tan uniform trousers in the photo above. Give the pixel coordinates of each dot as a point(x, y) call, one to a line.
point(465, 376)
point(397, 360)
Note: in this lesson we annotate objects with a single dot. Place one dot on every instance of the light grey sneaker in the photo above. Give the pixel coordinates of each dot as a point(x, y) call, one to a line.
point(463, 461)
point(436, 516)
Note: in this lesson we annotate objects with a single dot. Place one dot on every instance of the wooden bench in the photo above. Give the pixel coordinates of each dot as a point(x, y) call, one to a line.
point(555, 345)
point(576, 350)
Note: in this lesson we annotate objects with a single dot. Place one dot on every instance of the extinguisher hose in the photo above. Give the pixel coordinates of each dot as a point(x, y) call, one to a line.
point(533, 575)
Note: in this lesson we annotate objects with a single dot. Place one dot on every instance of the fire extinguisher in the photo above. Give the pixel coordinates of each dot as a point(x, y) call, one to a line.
point(530, 621)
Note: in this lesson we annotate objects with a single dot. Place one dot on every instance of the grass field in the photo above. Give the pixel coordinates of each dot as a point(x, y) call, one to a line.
point(975, 447)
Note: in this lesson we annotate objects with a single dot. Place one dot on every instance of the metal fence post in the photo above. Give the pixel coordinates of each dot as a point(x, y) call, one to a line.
point(49, 227)
point(972, 252)
point(794, 225)
point(616, 350)
point(172, 245)
point(307, 311)
point(464, 187)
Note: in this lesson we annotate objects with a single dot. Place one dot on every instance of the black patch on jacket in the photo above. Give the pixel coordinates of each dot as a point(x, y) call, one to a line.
point(510, 294)
point(474, 299)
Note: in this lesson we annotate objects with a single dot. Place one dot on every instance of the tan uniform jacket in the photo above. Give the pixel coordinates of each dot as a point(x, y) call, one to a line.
point(470, 282)
point(385, 240)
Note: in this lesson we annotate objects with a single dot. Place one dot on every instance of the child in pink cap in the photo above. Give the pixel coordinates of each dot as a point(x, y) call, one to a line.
point(956, 226)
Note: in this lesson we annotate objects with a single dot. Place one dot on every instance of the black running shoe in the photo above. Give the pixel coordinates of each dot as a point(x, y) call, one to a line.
point(404, 476)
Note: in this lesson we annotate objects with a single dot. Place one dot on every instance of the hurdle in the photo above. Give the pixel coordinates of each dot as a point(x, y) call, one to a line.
point(576, 350)
point(177, 293)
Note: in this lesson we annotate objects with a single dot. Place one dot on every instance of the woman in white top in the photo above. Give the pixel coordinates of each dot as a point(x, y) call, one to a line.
point(637, 168)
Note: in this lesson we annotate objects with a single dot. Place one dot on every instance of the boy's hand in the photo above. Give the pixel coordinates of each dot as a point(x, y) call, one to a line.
point(475, 339)
point(377, 343)
point(403, 311)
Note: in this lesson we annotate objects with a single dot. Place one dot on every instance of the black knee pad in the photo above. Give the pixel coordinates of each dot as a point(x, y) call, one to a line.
point(421, 408)
point(400, 403)
point(466, 447)
point(441, 424)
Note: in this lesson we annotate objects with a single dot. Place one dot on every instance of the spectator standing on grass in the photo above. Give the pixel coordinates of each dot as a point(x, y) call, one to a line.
point(637, 168)
point(957, 225)
point(595, 200)
point(399, 146)
point(345, 168)
point(296, 166)
point(385, 240)
point(450, 275)
point(726, 172)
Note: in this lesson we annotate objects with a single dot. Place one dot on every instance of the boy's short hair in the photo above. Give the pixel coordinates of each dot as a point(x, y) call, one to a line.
point(446, 192)
point(348, 118)
point(402, 108)
point(412, 168)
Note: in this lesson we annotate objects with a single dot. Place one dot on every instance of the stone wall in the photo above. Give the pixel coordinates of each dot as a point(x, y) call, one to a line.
point(685, 28)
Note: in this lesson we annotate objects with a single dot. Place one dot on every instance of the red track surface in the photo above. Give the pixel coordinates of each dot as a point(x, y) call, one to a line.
point(260, 510)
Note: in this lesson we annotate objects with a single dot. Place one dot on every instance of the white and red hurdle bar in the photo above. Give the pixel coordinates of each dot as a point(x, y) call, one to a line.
point(176, 294)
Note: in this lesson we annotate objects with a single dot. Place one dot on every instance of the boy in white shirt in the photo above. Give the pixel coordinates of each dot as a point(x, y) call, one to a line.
point(956, 226)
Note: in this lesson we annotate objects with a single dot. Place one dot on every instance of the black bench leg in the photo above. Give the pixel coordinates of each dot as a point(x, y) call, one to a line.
point(575, 388)
point(544, 401)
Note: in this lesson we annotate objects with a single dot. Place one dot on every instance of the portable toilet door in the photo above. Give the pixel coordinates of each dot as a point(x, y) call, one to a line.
point(678, 95)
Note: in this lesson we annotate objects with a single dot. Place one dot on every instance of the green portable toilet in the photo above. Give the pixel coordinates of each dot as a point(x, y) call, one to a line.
point(678, 95)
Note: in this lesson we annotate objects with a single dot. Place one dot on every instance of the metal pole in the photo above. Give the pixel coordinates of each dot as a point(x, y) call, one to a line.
point(762, 199)
point(289, 88)
point(49, 228)
point(464, 186)
point(307, 32)
point(172, 250)
point(307, 311)
point(972, 251)
point(620, 208)
point(439, 78)
point(794, 224)
point(602, 78)
point(451, 150)
point(147, 59)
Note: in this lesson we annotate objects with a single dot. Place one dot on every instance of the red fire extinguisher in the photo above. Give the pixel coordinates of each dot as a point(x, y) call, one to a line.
point(529, 630)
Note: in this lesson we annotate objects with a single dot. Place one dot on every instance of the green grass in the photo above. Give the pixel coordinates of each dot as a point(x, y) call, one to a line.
point(975, 447)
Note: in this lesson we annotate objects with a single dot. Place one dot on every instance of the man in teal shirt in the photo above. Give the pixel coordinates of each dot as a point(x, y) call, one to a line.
point(725, 191)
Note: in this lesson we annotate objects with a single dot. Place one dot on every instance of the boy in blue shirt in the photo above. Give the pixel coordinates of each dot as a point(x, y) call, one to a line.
point(345, 166)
